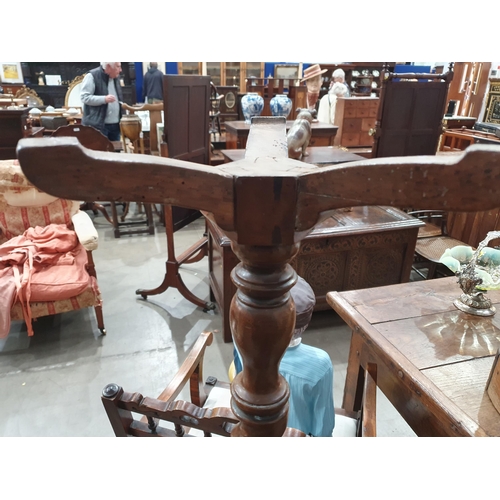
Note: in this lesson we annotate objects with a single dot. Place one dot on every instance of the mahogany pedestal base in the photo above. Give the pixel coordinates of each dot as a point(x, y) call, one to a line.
point(172, 277)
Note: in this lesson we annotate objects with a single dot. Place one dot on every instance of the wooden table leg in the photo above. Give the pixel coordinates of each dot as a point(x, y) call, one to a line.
point(172, 277)
point(353, 388)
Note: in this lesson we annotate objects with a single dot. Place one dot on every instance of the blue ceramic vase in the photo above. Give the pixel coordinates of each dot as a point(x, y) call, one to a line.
point(252, 104)
point(280, 105)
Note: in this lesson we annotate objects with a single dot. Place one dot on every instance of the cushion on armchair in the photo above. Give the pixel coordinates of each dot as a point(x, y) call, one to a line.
point(43, 264)
point(43, 252)
point(85, 230)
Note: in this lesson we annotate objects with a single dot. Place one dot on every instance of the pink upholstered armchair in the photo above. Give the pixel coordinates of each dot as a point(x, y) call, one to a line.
point(46, 244)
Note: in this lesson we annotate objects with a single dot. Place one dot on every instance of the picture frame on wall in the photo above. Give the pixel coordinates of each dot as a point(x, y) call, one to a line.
point(289, 72)
point(492, 113)
point(11, 72)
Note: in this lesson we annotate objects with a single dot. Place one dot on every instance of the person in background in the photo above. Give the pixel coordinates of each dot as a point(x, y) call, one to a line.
point(152, 87)
point(339, 76)
point(101, 96)
point(327, 104)
point(308, 371)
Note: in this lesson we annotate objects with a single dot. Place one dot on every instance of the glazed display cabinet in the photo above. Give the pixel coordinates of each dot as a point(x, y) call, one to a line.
point(224, 74)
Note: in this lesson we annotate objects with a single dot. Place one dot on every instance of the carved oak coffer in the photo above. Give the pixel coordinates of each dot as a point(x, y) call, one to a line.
point(360, 248)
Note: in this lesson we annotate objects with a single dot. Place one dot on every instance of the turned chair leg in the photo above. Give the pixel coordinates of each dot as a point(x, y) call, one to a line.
point(100, 319)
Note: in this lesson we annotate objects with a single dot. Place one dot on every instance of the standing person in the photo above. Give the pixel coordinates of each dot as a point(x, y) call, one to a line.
point(153, 84)
point(339, 76)
point(327, 104)
point(102, 96)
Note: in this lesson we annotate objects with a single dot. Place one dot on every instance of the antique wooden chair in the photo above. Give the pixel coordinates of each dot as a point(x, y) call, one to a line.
point(410, 113)
point(23, 207)
point(209, 411)
point(445, 230)
point(93, 139)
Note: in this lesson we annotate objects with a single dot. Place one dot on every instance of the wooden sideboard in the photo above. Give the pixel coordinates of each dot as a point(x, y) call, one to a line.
point(323, 134)
point(360, 248)
point(355, 116)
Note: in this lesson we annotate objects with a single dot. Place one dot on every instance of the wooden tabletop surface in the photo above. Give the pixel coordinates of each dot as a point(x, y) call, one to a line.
point(418, 326)
point(318, 155)
point(240, 125)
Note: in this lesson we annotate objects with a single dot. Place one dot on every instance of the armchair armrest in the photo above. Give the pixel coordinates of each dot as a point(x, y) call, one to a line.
point(435, 222)
point(190, 370)
point(85, 230)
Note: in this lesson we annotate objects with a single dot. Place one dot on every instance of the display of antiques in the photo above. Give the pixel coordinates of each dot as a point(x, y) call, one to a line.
point(362, 84)
point(269, 88)
point(477, 271)
point(266, 206)
point(299, 134)
point(353, 71)
point(36, 73)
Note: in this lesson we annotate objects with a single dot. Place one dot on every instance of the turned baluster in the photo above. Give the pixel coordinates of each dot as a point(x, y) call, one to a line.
point(262, 318)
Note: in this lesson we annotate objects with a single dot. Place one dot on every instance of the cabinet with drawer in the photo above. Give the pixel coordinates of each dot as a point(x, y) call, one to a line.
point(355, 116)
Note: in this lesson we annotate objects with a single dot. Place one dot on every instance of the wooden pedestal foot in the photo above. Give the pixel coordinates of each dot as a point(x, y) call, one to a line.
point(172, 277)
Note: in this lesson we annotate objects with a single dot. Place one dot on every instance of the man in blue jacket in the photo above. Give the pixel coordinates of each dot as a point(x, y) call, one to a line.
point(152, 88)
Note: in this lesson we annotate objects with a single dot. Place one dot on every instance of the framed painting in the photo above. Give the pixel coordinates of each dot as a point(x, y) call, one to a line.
point(492, 113)
point(290, 72)
point(11, 72)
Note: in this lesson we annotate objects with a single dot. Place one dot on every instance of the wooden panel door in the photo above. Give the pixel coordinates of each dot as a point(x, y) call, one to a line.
point(187, 103)
point(186, 114)
point(469, 87)
point(410, 118)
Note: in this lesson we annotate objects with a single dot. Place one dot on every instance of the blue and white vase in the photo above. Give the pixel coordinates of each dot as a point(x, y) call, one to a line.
point(252, 104)
point(280, 105)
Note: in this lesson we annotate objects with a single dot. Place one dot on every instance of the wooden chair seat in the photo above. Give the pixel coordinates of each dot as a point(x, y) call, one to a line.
point(428, 251)
point(443, 230)
point(429, 230)
point(433, 248)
